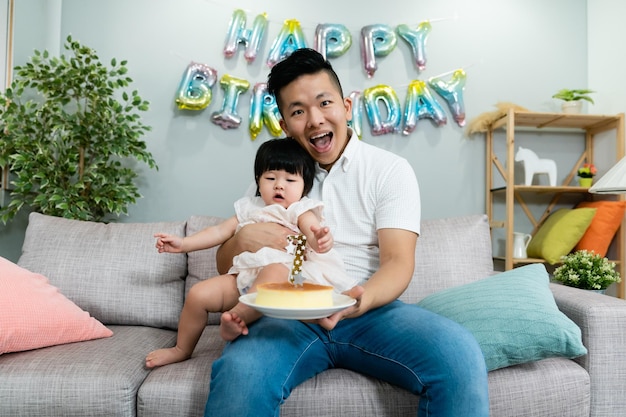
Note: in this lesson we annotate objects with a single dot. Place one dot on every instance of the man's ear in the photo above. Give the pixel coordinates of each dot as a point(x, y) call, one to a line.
point(283, 126)
point(347, 103)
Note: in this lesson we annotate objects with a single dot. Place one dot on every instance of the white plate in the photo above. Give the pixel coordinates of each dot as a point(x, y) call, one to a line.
point(340, 302)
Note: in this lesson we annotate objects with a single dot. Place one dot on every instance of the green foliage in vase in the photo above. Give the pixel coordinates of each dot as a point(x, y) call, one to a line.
point(574, 95)
point(586, 270)
point(70, 133)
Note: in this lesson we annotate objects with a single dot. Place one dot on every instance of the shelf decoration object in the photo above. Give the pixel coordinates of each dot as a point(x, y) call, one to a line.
point(572, 99)
point(535, 165)
point(512, 197)
point(587, 270)
point(586, 174)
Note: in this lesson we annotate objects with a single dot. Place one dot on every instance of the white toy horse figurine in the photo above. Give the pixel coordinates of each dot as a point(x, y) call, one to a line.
point(534, 165)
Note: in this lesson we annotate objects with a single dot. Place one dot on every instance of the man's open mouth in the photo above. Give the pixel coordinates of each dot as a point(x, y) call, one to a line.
point(322, 142)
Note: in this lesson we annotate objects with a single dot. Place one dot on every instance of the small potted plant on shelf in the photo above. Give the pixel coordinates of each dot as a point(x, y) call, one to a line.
point(586, 174)
point(586, 270)
point(572, 99)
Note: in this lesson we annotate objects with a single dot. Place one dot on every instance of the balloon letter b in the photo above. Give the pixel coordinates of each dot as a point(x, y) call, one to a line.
point(417, 40)
point(332, 40)
point(452, 92)
point(227, 117)
point(288, 40)
point(237, 33)
point(376, 40)
point(387, 96)
point(194, 91)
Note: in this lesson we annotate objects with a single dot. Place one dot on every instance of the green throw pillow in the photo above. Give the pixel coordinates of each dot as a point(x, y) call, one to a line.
point(560, 233)
point(512, 315)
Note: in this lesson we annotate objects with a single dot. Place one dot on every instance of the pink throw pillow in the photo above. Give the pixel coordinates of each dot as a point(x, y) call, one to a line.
point(34, 314)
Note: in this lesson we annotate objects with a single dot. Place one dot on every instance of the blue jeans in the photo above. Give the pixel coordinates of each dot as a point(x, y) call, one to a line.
point(400, 343)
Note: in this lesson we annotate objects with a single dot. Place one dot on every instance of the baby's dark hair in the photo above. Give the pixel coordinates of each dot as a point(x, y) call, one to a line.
point(284, 154)
point(303, 61)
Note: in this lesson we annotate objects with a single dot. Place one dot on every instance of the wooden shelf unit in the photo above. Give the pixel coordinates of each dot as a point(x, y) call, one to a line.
point(589, 125)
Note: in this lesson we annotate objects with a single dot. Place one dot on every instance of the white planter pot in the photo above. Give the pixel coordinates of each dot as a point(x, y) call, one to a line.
point(572, 107)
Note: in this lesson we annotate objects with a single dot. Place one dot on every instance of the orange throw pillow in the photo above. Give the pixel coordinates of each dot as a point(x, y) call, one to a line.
point(608, 218)
point(34, 314)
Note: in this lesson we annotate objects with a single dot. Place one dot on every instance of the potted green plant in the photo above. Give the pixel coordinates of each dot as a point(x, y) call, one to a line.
point(586, 174)
point(586, 270)
point(69, 132)
point(572, 99)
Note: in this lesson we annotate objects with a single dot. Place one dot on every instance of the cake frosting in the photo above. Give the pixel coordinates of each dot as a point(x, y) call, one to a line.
point(287, 295)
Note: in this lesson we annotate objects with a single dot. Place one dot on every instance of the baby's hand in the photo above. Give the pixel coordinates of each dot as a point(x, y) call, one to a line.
point(324, 238)
point(168, 243)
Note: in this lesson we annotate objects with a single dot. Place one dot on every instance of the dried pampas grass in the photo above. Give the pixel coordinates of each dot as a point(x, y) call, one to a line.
point(481, 123)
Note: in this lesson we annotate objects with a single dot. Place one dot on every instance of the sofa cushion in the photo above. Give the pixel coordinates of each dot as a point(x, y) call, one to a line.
point(450, 252)
point(94, 378)
point(111, 270)
point(513, 316)
point(34, 314)
point(558, 235)
point(201, 264)
point(553, 387)
point(599, 234)
point(158, 397)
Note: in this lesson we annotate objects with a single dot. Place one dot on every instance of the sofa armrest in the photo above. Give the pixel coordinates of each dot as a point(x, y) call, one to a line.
point(602, 320)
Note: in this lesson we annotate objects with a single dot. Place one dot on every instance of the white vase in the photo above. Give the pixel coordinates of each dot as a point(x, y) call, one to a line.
point(572, 107)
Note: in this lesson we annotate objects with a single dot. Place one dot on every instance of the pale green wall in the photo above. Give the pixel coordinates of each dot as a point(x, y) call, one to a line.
point(520, 51)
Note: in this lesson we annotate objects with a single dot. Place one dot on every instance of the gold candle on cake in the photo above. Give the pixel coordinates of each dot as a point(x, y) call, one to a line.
point(299, 243)
point(296, 293)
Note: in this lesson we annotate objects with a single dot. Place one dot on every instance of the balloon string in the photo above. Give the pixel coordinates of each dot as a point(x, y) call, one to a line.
point(179, 56)
point(444, 74)
point(312, 25)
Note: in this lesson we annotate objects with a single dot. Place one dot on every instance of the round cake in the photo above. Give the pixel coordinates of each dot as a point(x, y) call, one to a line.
point(287, 295)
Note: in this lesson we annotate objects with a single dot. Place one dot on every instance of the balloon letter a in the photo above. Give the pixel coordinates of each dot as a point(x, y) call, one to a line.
point(288, 40)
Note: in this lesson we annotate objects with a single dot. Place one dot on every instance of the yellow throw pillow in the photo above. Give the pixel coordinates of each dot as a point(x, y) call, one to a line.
point(560, 233)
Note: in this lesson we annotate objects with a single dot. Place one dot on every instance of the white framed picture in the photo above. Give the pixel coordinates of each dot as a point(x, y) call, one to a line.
point(6, 64)
point(6, 41)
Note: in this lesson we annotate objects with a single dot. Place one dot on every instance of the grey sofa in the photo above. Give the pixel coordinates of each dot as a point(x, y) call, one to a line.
point(113, 272)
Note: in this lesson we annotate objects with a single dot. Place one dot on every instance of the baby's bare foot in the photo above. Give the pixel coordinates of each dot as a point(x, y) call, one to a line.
point(232, 326)
point(165, 357)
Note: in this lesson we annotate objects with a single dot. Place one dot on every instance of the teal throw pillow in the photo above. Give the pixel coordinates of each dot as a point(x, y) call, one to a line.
point(512, 315)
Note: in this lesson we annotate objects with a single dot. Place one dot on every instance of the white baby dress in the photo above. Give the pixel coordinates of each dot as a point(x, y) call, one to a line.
point(319, 268)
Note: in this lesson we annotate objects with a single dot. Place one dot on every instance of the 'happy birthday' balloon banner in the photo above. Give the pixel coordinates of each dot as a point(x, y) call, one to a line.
point(331, 40)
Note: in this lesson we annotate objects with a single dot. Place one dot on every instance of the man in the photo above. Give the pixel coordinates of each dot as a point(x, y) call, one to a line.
point(372, 205)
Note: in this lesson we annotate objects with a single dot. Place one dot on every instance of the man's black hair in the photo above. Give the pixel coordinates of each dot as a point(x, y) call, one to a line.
point(304, 61)
point(284, 154)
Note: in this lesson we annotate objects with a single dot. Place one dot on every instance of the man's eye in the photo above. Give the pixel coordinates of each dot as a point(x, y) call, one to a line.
point(325, 103)
point(296, 112)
